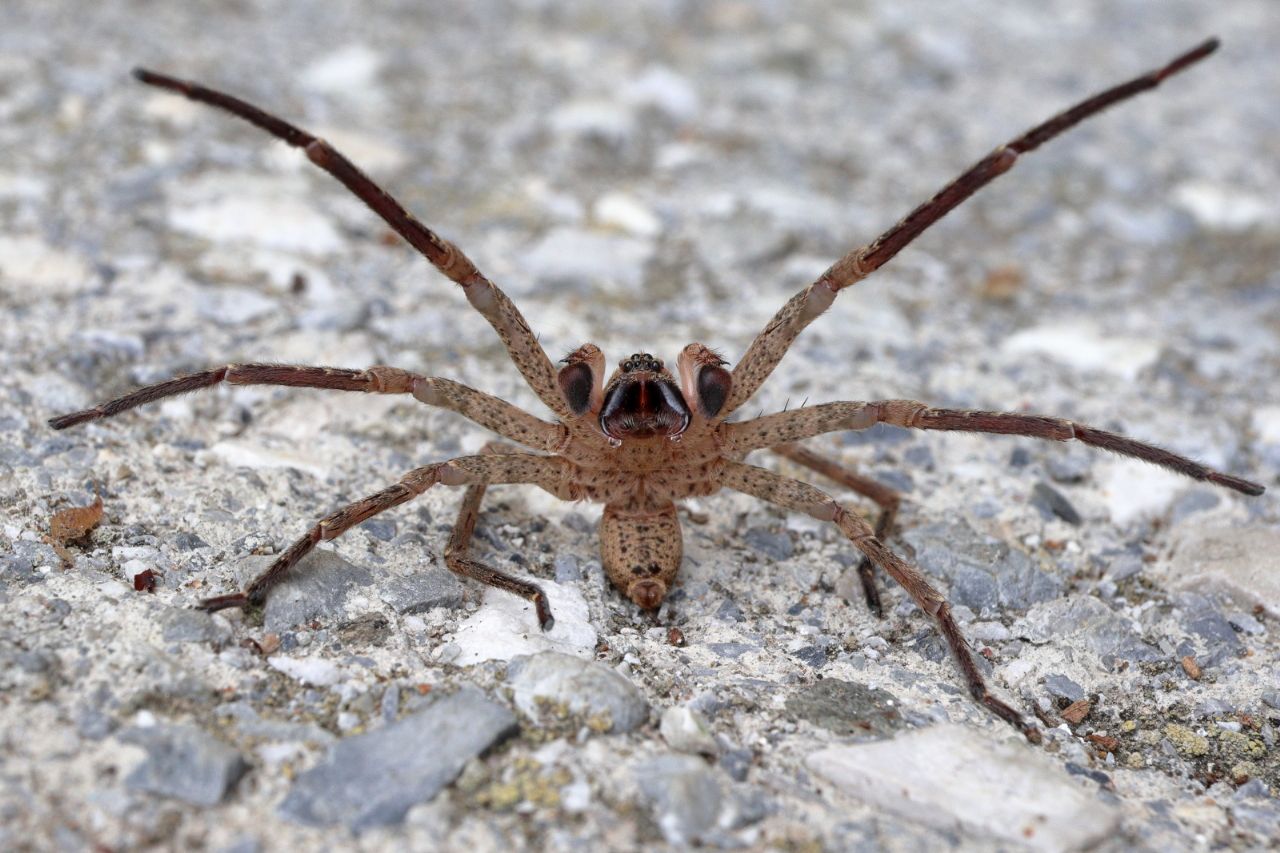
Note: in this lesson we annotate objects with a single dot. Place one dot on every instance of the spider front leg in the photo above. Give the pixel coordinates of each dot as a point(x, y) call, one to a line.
point(485, 296)
point(767, 350)
point(457, 554)
point(488, 411)
point(802, 497)
point(799, 424)
point(886, 498)
point(544, 471)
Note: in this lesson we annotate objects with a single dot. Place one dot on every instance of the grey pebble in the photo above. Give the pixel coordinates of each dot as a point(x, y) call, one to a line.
point(1063, 688)
point(183, 625)
point(381, 529)
point(421, 591)
point(316, 588)
point(985, 574)
point(684, 795)
point(846, 708)
point(373, 779)
point(1105, 633)
point(185, 763)
point(732, 651)
point(567, 569)
point(549, 685)
point(1272, 699)
point(1069, 465)
point(775, 546)
point(1053, 503)
point(737, 763)
point(814, 656)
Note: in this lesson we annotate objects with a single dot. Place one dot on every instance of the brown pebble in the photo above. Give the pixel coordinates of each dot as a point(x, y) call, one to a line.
point(270, 644)
point(1106, 742)
point(1191, 668)
point(145, 581)
point(675, 637)
point(1077, 711)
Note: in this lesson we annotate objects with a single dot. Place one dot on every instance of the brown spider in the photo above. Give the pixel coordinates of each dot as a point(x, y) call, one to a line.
point(644, 438)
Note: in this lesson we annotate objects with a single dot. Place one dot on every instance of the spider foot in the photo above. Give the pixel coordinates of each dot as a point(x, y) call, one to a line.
point(1011, 716)
point(866, 573)
point(545, 620)
point(223, 602)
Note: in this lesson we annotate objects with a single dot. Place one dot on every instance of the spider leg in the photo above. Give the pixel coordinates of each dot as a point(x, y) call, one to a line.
point(488, 411)
point(484, 295)
point(545, 471)
point(772, 344)
point(804, 423)
point(802, 497)
point(457, 554)
point(886, 498)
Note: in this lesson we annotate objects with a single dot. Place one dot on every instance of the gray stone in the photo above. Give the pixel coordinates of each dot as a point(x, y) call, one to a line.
point(1063, 688)
point(567, 569)
point(373, 779)
point(954, 777)
point(732, 651)
point(185, 763)
point(686, 730)
point(1272, 699)
point(1243, 562)
point(984, 574)
point(421, 591)
point(1084, 618)
point(1053, 503)
point(316, 588)
point(181, 625)
point(556, 689)
point(1069, 465)
point(775, 546)
point(684, 795)
point(846, 708)
point(814, 656)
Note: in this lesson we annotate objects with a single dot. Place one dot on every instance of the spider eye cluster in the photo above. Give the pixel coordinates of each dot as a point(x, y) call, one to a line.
point(641, 361)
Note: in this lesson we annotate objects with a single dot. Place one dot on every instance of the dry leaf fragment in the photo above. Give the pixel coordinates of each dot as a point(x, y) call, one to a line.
point(68, 525)
point(1076, 711)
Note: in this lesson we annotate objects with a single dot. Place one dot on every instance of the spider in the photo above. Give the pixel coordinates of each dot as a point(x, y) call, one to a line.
point(645, 436)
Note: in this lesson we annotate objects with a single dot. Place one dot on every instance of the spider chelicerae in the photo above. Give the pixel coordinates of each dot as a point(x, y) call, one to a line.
point(643, 438)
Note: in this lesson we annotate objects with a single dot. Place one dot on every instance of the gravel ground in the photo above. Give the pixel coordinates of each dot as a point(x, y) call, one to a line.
point(640, 175)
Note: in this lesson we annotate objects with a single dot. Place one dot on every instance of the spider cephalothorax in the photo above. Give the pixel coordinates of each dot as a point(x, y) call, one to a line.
point(643, 441)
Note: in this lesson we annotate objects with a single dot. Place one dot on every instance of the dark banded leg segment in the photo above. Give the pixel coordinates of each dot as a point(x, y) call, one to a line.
point(802, 497)
point(886, 498)
point(457, 554)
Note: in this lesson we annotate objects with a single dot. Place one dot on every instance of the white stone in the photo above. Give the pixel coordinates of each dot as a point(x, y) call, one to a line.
point(30, 266)
point(1225, 208)
point(240, 454)
point(1266, 423)
point(585, 259)
point(319, 672)
point(273, 221)
point(957, 778)
point(234, 306)
point(664, 90)
point(1134, 490)
point(626, 213)
point(505, 626)
point(1242, 562)
point(349, 70)
point(599, 119)
point(685, 730)
point(1085, 347)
